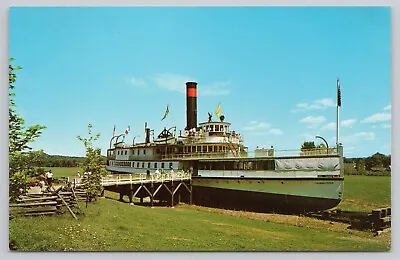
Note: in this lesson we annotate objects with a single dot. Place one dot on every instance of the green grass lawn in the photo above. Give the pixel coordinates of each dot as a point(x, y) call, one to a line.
point(364, 193)
point(109, 225)
point(64, 171)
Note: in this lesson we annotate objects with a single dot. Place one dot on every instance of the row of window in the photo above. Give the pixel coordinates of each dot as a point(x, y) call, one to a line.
point(205, 149)
point(256, 165)
point(125, 152)
point(142, 164)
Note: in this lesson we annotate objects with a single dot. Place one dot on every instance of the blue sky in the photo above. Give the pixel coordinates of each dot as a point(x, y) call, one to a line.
point(273, 69)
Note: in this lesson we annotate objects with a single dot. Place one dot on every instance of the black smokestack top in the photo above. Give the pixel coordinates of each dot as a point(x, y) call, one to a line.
point(147, 140)
point(191, 105)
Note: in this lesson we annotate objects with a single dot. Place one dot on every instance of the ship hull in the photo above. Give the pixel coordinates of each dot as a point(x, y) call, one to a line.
point(267, 195)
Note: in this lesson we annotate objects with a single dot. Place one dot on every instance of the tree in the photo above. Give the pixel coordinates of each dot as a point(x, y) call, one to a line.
point(308, 146)
point(92, 164)
point(21, 162)
point(377, 160)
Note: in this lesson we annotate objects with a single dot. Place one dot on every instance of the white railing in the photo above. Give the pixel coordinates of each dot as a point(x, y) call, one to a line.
point(254, 154)
point(119, 179)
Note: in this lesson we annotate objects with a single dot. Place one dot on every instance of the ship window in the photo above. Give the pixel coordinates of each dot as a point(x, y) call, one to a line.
point(248, 166)
point(143, 165)
point(155, 165)
point(137, 165)
point(148, 165)
point(209, 149)
point(138, 152)
point(144, 151)
point(241, 164)
point(235, 165)
point(217, 128)
point(126, 152)
point(170, 164)
point(162, 165)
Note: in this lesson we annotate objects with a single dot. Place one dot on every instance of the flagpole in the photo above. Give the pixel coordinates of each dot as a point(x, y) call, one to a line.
point(338, 104)
point(337, 125)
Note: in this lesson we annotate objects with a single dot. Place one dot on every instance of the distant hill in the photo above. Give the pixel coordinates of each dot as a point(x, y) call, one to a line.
point(48, 160)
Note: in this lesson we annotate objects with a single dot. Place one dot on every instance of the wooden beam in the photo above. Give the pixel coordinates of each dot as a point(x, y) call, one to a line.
point(151, 195)
point(34, 204)
point(37, 199)
point(159, 187)
point(65, 203)
point(170, 192)
point(76, 199)
point(134, 195)
point(176, 189)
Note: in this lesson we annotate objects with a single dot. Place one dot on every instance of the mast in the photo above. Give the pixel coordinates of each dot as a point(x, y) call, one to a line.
point(338, 104)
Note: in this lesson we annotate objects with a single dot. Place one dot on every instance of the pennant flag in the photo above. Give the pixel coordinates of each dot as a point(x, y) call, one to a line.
point(114, 131)
point(127, 130)
point(339, 94)
point(166, 113)
point(218, 110)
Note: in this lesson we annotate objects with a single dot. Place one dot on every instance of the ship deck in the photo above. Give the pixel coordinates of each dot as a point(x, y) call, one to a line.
point(126, 179)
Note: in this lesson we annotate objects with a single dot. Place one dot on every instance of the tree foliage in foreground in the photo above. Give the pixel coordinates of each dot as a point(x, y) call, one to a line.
point(93, 164)
point(21, 162)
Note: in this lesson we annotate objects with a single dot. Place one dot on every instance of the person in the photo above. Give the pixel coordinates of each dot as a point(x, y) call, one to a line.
point(49, 178)
point(78, 174)
point(171, 169)
point(157, 172)
point(85, 175)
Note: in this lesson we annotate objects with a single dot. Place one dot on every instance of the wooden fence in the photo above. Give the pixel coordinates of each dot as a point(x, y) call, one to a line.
point(50, 203)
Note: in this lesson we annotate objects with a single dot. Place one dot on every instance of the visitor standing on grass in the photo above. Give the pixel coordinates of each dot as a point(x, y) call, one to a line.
point(49, 177)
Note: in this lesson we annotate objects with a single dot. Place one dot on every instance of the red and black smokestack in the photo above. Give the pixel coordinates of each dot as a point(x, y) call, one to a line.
point(191, 105)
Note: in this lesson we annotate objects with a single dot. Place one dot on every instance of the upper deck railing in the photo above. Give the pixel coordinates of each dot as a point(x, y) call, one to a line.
point(254, 154)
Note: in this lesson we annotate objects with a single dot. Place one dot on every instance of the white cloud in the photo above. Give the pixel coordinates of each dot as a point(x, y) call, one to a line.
point(275, 131)
point(177, 83)
point(348, 122)
point(326, 102)
point(365, 135)
point(388, 107)
point(377, 118)
point(137, 82)
point(215, 89)
point(172, 82)
point(313, 119)
point(307, 136)
point(302, 105)
point(323, 103)
point(386, 125)
point(262, 128)
point(330, 126)
point(256, 126)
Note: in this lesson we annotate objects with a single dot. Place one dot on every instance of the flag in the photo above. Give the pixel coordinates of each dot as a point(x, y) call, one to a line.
point(218, 110)
point(127, 130)
point(114, 131)
point(166, 113)
point(339, 95)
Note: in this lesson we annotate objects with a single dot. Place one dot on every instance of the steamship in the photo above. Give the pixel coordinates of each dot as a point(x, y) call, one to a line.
point(225, 174)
